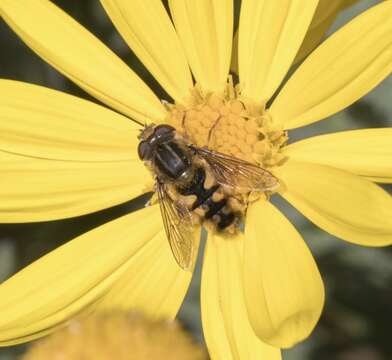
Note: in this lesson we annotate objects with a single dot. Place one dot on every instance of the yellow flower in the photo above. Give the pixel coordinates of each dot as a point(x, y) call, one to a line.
point(62, 156)
point(119, 336)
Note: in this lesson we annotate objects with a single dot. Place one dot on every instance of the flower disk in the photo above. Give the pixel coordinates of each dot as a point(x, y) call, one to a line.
point(232, 124)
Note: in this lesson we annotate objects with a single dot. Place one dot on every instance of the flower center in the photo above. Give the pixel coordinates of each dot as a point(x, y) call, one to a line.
point(230, 124)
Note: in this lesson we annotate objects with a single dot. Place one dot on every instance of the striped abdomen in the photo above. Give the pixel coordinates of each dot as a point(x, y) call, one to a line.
point(217, 211)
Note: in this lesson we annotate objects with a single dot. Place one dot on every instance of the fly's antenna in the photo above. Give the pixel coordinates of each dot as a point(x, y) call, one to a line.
point(138, 122)
point(143, 126)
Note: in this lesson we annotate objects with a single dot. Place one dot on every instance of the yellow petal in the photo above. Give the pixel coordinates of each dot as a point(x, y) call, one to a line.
point(40, 122)
point(380, 179)
point(34, 189)
point(151, 35)
point(68, 280)
point(366, 152)
point(270, 34)
point(61, 156)
point(343, 69)
point(226, 326)
point(152, 269)
point(284, 292)
point(325, 15)
point(205, 28)
point(339, 202)
point(80, 56)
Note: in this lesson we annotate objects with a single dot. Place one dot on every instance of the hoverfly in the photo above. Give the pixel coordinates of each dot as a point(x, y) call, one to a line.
point(196, 185)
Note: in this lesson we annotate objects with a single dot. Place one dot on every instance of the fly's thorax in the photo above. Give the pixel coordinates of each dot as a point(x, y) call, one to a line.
point(171, 161)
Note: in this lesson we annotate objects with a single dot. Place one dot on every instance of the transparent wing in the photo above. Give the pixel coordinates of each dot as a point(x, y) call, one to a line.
point(179, 228)
point(237, 173)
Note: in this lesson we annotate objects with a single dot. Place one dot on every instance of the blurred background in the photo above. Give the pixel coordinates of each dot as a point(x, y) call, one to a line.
point(358, 314)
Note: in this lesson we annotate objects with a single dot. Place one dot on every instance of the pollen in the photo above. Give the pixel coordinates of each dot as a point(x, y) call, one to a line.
point(231, 124)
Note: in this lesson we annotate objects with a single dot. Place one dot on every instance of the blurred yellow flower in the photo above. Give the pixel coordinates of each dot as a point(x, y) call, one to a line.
point(61, 156)
point(119, 336)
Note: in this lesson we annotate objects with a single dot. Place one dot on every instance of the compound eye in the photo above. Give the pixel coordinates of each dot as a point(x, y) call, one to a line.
point(144, 150)
point(162, 130)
